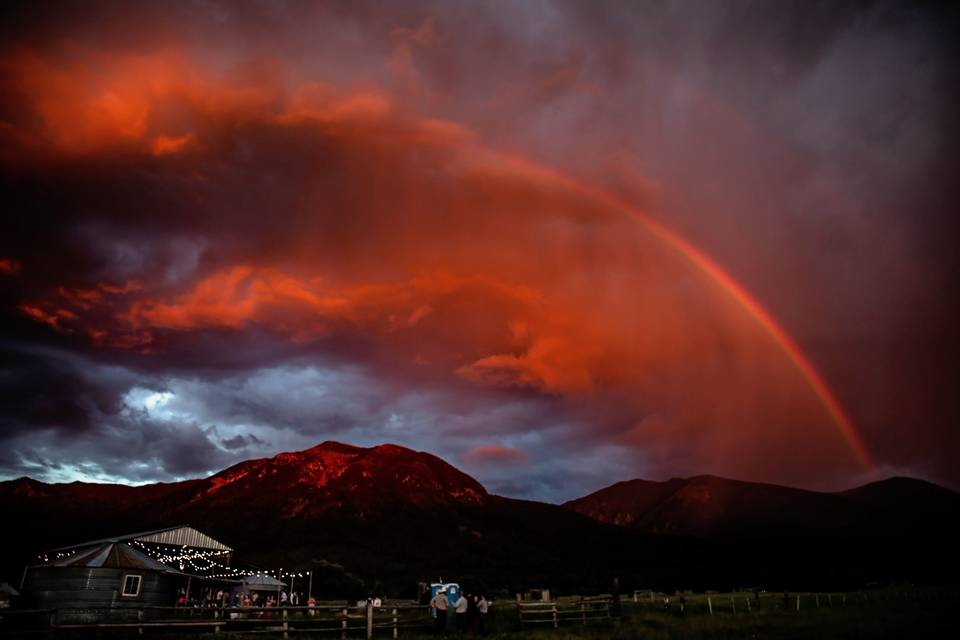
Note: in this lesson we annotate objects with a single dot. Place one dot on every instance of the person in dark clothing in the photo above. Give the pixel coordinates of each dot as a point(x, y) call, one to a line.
point(472, 617)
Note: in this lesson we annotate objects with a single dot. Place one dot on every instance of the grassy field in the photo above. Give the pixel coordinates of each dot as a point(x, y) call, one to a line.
point(900, 613)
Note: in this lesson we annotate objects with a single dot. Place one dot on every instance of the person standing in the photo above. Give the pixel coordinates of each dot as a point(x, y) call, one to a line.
point(461, 605)
point(440, 605)
point(483, 606)
point(473, 615)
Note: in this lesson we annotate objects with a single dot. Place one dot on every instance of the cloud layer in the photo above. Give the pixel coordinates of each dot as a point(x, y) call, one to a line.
point(233, 232)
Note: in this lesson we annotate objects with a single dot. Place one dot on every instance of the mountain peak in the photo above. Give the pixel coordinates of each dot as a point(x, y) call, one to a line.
point(333, 446)
point(393, 449)
point(905, 483)
point(328, 447)
point(333, 475)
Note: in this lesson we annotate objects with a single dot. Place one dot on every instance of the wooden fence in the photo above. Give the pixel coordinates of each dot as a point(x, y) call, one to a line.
point(398, 618)
point(385, 621)
point(744, 602)
point(582, 611)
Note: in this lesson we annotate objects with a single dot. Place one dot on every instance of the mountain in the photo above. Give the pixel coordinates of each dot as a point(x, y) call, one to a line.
point(384, 515)
point(334, 476)
point(712, 507)
point(383, 518)
point(708, 506)
point(917, 504)
point(896, 529)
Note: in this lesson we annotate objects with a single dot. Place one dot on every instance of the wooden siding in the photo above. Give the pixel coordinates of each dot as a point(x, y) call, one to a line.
point(78, 587)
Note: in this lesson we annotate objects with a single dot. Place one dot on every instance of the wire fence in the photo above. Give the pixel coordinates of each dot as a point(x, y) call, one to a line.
point(758, 601)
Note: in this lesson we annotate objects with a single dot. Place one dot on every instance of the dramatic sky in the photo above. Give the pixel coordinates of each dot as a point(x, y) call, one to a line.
point(558, 244)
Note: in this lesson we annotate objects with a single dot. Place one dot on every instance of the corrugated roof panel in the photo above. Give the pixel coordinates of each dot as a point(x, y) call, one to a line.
point(178, 536)
point(183, 536)
point(129, 558)
point(77, 559)
point(111, 555)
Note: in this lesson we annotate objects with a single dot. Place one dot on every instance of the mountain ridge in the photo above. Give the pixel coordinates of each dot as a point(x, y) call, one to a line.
point(388, 513)
point(707, 505)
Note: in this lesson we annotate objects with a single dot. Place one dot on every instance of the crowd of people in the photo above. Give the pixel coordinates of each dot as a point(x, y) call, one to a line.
point(469, 611)
point(238, 598)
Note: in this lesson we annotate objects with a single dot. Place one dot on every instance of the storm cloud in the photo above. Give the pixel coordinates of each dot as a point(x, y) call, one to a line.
point(237, 230)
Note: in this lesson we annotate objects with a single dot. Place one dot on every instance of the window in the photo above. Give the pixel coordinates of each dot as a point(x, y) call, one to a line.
point(131, 586)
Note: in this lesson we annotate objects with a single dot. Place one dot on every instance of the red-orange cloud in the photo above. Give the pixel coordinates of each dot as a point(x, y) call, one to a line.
point(9, 267)
point(494, 454)
point(338, 217)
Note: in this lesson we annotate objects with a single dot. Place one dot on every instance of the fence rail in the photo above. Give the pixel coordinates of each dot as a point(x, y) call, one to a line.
point(395, 619)
point(345, 621)
point(583, 611)
point(747, 602)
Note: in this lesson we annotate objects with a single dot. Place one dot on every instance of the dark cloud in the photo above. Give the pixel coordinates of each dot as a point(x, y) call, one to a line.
point(240, 441)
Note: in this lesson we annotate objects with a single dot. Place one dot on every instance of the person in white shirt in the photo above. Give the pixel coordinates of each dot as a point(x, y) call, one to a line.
point(461, 606)
point(440, 604)
point(483, 606)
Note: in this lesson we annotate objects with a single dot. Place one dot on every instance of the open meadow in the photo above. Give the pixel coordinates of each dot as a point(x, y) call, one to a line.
point(891, 613)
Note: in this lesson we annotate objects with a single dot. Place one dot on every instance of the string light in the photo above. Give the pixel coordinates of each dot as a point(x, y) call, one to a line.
point(205, 562)
point(60, 555)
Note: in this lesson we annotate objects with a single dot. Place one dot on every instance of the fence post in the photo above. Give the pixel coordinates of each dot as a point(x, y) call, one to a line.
point(583, 610)
point(830, 600)
point(343, 624)
point(617, 611)
point(519, 611)
point(798, 602)
point(140, 619)
point(395, 623)
point(733, 603)
point(843, 601)
point(283, 616)
point(816, 598)
point(748, 604)
point(369, 619)
point(710, 605)
point(554, 609)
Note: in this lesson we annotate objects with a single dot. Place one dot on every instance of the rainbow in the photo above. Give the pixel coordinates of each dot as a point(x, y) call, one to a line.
point(715, 272)
point(770, 325)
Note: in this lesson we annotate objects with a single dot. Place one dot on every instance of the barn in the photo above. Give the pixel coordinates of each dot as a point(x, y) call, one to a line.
point(138, 570)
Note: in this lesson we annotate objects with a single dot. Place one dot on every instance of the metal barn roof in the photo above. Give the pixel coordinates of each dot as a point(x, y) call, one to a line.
point(110, 555)
point(182, 536)
point(260, 583)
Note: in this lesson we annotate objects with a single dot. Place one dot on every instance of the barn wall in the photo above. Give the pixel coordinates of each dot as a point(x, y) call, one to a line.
point(80, 587)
